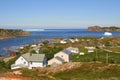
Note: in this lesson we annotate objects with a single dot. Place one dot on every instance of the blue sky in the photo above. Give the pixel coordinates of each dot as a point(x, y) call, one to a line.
point(59, 13)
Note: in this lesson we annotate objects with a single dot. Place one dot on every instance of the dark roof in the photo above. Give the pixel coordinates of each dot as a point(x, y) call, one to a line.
point(66, 51)
point(60, 59)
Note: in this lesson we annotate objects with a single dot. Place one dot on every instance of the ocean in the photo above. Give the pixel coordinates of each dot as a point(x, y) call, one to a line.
point(47, 33)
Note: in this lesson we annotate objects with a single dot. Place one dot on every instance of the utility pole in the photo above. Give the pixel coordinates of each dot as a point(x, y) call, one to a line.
point(107, 58)
point(96, 55)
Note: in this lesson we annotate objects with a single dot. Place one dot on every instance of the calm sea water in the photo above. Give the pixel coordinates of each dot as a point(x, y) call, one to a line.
point(48, 33)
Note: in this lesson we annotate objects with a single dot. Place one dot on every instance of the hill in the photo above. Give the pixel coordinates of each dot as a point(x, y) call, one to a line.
point(10, 33)
point(109, 29)
point(76, 71)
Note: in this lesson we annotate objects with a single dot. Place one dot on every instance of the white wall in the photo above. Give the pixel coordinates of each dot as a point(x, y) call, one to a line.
point(38, 64)
point(35, 64)
point(53, 60)
point(15, 67)
point(63, 56)
point(21, 60)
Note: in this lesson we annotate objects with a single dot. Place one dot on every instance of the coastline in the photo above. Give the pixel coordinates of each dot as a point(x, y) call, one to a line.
point(11, 33)
point(103, 29)
point(5, 38)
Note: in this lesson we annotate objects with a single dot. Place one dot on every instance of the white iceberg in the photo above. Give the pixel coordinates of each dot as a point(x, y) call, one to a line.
point(107, 34)
point(33, 29)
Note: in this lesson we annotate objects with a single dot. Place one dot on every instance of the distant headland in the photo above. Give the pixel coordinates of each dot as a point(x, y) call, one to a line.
point(10, 33)
point(108, 29)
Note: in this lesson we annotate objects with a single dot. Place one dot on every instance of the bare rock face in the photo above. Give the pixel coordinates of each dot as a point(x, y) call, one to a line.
point(107, 29)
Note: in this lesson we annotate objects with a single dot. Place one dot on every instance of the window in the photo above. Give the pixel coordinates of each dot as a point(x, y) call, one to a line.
point(33, 67)
point(61, 55)
point(24, 62)
point(31, 62)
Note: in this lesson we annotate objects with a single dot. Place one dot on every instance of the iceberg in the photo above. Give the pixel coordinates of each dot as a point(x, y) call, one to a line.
point(107, 34)
point(33, 29)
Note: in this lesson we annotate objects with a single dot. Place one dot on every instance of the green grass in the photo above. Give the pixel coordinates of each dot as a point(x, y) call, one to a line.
point(82, 49)
point(3, 67)
point(97, 56)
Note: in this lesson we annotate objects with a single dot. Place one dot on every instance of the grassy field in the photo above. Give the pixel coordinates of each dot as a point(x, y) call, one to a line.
point(98, 55)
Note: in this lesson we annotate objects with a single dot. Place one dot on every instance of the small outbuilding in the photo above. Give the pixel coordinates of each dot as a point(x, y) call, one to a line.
point(73, 50)
point(81, 53)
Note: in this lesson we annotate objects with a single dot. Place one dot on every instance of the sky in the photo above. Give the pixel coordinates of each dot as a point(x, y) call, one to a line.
point(59, 13)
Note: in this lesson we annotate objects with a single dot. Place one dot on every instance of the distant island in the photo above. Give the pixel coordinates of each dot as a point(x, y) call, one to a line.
point(108, 29)
point(10, 33)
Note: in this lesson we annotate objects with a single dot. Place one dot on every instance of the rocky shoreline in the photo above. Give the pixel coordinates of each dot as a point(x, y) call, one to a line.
point(105, 29)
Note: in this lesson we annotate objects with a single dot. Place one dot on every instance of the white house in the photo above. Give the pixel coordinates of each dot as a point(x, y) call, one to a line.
point(30, 61)
point(63, 41)
point(76, 40)
point(72, 40)
point(33, 45)
point(21, 47)
point(73, 50)
point(81, 53)
point(55, 61)
point(90, 49)
point(60, 57)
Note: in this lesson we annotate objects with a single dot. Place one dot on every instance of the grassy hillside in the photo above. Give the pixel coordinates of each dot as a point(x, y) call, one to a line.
point(9, 33)
point(98, 55)
point(91, 71)
point(76, 71)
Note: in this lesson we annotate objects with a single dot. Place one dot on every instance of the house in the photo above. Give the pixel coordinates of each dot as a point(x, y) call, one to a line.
point(72, 40)
point(63, 41)
point(40, 44)
point(73, 50)
point(55, 61)
point(76, 40)
point(21, 47)
point(90, 49)
point(60, 57)
point(30, 61)
point(81, 53)
point(33, 45)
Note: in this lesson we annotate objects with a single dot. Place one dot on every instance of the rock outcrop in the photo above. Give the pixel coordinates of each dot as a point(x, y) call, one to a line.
point(108, 29)
point(9, 33)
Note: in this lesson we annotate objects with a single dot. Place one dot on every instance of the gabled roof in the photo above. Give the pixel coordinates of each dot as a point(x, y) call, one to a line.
point(66, 51)
point(60, 59)
point(34, 57)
